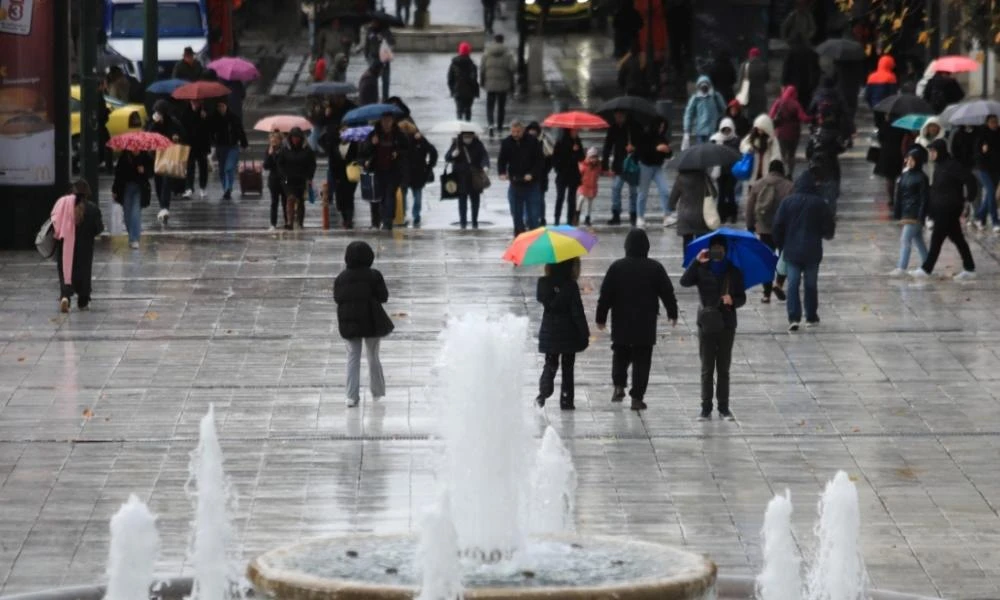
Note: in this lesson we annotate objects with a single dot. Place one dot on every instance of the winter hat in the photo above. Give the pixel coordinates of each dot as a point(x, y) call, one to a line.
point(918, 153)
point(464, 49)
point(593, 152)
point(534, 126)
point(754, 52)
point(776, 166)
point(941, 147)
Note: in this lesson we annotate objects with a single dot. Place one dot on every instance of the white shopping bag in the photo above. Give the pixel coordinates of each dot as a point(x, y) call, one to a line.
point(117, 224)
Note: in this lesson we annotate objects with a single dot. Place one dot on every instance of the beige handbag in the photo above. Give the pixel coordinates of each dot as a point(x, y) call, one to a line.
point(172, 161)
point(710, 208)
point(353, 172)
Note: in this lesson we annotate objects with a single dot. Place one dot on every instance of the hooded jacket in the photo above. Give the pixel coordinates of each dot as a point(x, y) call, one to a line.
point(912, 196)
point(463, 78)
point(963, 145)
point(566, 160)
point(296, 162)
point(497, 69)
point(924, 139)
point(787, 115)
point(764, 150)
point(763, 202)
point(703, 110)
point(951, 179)
point(712, 286)
point(564, 328)
point(802, 222)
point(882, 82)
point(632, 291)
point(360, 291)
point(687, 198)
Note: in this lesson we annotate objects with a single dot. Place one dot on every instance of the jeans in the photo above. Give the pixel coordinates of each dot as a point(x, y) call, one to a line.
point(386, 76)
point(912, 235)
point(830, 191)
point(314, 134)
point(132, 207)
point(616, 195)
point(377, 378)
point(164, 190)
point(953, 231)
point(988, 207)
point(418, 203)
point(716, 351)
point(463, 206)
point(546, 383)
point(463, 109)
point(788, 148)
point(228, 157)
point(525, 198)
point(565, 193)
point(648, 173)
point(200, 160)
point(496, 100)
point(386, 185)
point(641, 359)
point(809, 275)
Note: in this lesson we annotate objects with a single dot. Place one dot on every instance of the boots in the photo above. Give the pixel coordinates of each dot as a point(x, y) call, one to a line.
point(638, 404)
point(632, 219)
point(540, 401)
point(616, 218)
point(566, 402)
point(618, 395)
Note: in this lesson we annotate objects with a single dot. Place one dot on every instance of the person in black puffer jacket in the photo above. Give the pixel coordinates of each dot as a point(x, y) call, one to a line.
point(952, 188)
point(297, 163)
point(422, 157)
point(463, 82)
point(566, 157)
point(360, 291)
point(564, 330)
point(910, 207)
point(632, 290)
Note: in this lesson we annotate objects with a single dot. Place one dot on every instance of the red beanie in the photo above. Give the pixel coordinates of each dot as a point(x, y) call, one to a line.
point(754, 52)
point(464, 49)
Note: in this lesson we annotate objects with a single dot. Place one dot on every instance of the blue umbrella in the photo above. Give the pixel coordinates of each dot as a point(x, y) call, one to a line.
point(371, 112)
point(166, 86)
point(751, 256)
point(911, 122)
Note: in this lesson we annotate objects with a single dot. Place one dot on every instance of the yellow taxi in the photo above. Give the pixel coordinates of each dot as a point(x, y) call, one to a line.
point(124, 117)
point(561, 10)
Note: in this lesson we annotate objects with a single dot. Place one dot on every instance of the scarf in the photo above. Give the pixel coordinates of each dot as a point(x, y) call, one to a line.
point(64, 223)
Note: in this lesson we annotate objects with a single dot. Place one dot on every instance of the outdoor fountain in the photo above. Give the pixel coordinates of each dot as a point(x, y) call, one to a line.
point(135, 546)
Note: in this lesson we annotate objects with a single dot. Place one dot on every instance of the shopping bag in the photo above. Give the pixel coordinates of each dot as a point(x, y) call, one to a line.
point(368, 187)
point(45, 240)
point(451, 188)
point(117, 223)
point(743, 167)
point(172, 161)
point(710, 208)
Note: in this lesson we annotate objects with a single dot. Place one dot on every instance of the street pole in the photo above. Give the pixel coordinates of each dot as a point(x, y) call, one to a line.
point(90, 96)
point(150, 44)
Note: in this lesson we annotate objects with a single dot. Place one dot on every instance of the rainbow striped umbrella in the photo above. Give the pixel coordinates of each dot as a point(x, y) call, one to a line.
point(547, 245)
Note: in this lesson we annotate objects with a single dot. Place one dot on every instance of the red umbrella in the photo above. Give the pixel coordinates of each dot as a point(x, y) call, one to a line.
point(575, 119)
point(139, 141)
point(955, 64)
point(200, 90)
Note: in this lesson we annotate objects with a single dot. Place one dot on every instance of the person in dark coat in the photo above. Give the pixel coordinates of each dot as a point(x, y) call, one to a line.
point(275, 181)
point(297, 164)
point(850, 76)
point(942, 90)
point(823, 150)
point(534, 129)
point(987, 153)
point(463, 82)
point(89, 225)
point(633, 79)
point(801, 70)
point(166, 124)
point(734, 110)
point(802, 222)
point(189, 68)
point(368, 84)
point(197, 127)
point(229, 137)
point(963, 145)
point(723, 74)
point(687, 202)
point(827, 99)
point(360, 291)
point(952, 188)
point(756, 71)
point(620, 141)
point(566, 157)
point(467, 153)
point(421, 159)
point(342, 153)
point(626, 23)
point(383, 153)
point(910, 208)
point(564, 331)
point(632, 290)
point(522, 163)
point(720, 291)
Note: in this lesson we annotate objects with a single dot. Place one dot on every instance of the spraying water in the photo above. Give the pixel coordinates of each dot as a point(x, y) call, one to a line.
point(487, 433)
point(553, 490)
point(437, 555)
point(838, 571)
point(780, 578)
point(135, 546)
point(217, 576)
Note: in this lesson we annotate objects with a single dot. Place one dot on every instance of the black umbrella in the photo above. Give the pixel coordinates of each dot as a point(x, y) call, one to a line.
point(706, 156)
point(383, 17)
point(841, 49)
point(904, 104)
point(331, 88)
point(634, 105)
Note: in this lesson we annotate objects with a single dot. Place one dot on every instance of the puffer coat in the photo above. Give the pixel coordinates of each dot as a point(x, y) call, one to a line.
point(564, 327)
point(360, 291)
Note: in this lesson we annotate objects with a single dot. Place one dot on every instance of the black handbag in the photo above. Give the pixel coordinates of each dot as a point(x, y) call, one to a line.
point(368, 186)
point(710, 318)
point(451, 187)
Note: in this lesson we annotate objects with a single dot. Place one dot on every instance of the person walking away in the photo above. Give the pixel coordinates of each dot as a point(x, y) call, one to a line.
point(403, 11)
point(942, 90)
point(360, 291)
point(275, 180)
point(197, 127)
point(823, 151)
point(722, 74)
point(756, 73)
point(467, 154)
point(725, 181)
point(421, 158)
point(166, 124)
point(297, 164)
point(342, 153)
point(633, 76)
point(881, 83)
point(626, 24)
point(564, 331)
point(378, 50)
point(763, 145)
point(335, 110)
point(189, 68)
point(118, 84)
point(522, 163)
point(687, 201)
point(931, 130)
point(229, 137)
point(788, 117)
point(76, 221)
point(131, 189)
point(497, 69)
point(590, 174)
point(463, 82)
point(489, 15)
point(801, 224)
point(910, 209)
point(734, 110)
point(801, 70)
point(762, 204)
point(987, 152)
point(619, 142)
point(849, 76)
point(702, 114)
point(566, 157)
point(368, 85)
point(720, 291)
point(632, 291)
point(653, 150)
point(385, 150)
point(963, 145)
point(799, 27)
point(338, 71)
point(680, 24)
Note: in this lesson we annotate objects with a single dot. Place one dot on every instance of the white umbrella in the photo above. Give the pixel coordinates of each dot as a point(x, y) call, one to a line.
point(457, 127)
point(974, 112)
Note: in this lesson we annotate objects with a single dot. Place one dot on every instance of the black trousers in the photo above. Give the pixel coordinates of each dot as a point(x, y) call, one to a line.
point(386, 186)
point(277, 199)
point(498, 101)
point(546, 384)
point(463, 207)
point(641, 359)
point(565, 193)
point(952, 231)
point(728, 209)
point(463, 108)
point(403, 10)
point(489, 15)
point(716, 350)
point(344, 199)
point(201, 161)
point(82, 280)
point(768, 240)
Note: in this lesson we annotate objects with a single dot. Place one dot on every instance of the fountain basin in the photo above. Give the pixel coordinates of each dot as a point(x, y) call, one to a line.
point(438, 38)
point(383, 567)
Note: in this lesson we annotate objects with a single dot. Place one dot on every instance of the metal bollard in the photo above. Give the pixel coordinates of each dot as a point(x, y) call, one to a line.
point(325, 205)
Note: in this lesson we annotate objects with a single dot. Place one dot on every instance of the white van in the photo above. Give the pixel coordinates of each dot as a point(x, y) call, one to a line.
point(182, 23)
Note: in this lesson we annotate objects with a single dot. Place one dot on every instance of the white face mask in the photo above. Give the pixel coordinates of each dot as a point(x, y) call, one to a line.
point(157, 117)
point(467, 139)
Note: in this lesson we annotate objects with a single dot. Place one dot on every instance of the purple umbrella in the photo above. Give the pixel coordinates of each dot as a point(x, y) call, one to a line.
point(232, 68)
point(356, 134)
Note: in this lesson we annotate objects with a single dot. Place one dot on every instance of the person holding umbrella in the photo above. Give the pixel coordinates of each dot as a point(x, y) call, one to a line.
point(942, 90)
point(566, 157)
point(131, 189)
point(987, 153)
point(564, 331)
point(275, 181)
point(297, 165)
point(384, 152)
point(466, 154)
point(197, 126)
point(720, 287)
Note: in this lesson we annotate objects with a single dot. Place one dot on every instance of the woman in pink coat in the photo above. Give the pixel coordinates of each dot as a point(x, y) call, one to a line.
point(788, 117)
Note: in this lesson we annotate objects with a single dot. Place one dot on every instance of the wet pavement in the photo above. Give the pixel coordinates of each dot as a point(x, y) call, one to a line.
point(899, 386)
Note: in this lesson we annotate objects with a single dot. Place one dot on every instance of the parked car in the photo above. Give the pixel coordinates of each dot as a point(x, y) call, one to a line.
point(123, 117)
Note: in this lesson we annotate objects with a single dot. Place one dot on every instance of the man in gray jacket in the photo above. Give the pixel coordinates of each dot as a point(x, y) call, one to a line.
point(496, 73)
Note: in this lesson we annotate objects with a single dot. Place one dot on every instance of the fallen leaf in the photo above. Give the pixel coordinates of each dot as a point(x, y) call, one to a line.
point(400, 314)
point(852, 477)
point(229, 331)
point(151, 315)
point(907, 473)
point(20, 359)
point(856, 429)
point(802, 423)
point(864, 308)
point(87, 413)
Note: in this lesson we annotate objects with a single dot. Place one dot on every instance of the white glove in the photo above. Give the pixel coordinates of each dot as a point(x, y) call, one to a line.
point(686, 142)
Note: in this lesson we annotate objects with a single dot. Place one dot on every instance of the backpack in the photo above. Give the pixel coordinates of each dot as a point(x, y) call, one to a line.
point(767, 203)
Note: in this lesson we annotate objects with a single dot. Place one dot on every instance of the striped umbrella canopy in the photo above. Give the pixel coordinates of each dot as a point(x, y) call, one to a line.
point(548, 245)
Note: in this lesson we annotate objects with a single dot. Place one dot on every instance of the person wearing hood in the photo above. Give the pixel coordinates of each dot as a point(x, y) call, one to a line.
point(762, 204)
point(652, 151)
point(931, 130)
point(463, 82)
point(722, 74)
point(564, 331)
point(802, 222)
point(763, 145)
point(384, 154)
point(590, 175)
point(802, 70)
point(942, 90)
point(466, 154)
point(910, 208)
point(829, 100)
point(788, 117)
point(963, 145)
point(952, 187)
point(619, 142)
point(734, 110)
point(721, 292)
point(360, 291)
point(987, 161)
point(882, 82)
point(726, 136)
point(687, 201)
point(497, 69)
point(166, 124)
point(297, 164)
point(632, 291)
point(756, 73)
point(228, 136)
point(826, 144)
point(76, 222)
point(702, 113)
point(566, 157)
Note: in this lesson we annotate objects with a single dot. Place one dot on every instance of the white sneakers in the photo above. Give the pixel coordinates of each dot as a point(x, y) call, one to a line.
point(965, 276)
point(272, 229)
point(996, 229)
point(640, 223)
point(351, 402)
point(978, 224)
point(188, 193)
point(670, 220)
point(163, 216)
point(133, 245)
point(919, 273)
point(202, 194)
point(897, 272)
